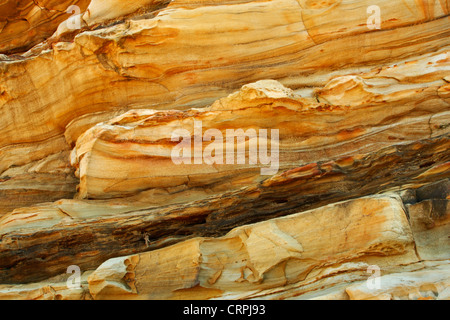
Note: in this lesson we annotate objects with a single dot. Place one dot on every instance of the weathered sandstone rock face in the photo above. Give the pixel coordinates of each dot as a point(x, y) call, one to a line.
point(270, 254)
point(224, 150)
point(25, 23)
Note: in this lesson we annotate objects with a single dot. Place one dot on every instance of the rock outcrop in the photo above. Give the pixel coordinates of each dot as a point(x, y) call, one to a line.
point(225, 150)
point(26, 23)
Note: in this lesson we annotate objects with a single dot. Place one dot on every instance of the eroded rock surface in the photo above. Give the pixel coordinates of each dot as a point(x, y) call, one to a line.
point(344, 169)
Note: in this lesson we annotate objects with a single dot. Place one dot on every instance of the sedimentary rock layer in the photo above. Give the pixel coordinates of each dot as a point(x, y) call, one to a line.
point(140, 149)
point(50, 236)
point(270, 254)
point(156, 58)
point(25, 23)
point(88, 62)
point(283, 258)
point(344, 171)
point(49, 179)
point(418, 285)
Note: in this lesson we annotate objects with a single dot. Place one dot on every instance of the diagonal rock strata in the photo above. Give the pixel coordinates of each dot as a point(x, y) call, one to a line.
point(135, 151)
point(138, 82)
point(25, 23)
point(86, 69)
point(269, 254)
point(87, 242)
point(358, 109)
point(422, 285)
